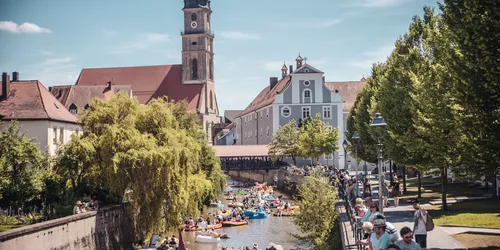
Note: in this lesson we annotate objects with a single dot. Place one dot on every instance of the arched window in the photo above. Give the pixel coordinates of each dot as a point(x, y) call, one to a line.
point(195, 69)
point(211, 100)
point(193, 17)
point(306, 96)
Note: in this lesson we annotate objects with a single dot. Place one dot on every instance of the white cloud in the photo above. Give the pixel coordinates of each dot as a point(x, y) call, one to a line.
point(47, 52)
point(13, 27)
point(369, 57)
point(171, 54)
point(144, 41)
point(53, 71)
point(238, 35)
point(272, 65)
point(322, 24)
point(380, 3)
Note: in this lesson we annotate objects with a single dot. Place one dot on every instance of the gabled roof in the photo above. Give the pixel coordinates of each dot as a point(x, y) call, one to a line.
point(82, 95)
point(61, 92)
point(30, 100)
point(311, 69)
point(347, 90)
point(266, 96)
point(231, 114)
point(147, 82)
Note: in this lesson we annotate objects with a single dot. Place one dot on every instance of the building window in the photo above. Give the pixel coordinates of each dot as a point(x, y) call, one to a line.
point(285, 111)
point(307, 83)
point(73, 109)
point(77, 131)
point(193, 17)
point(261, 114)
point(306, 70)
point(194, 68)
point(61, 135)
point(327, 112)
point(54, 135)
point(328, 157)
point(211, 100)
point(306, 96)
point(86, 107)
point(267, 131)
point(306, 112)
point(261, 132)
point(267, 111)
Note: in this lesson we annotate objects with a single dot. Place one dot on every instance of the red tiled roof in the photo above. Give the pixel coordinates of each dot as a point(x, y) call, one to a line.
point(347, 90)
point(61, 92)
point(147, 82)
point(30, 100)
point(266, 96)
point(82, 95)
point(241, 150)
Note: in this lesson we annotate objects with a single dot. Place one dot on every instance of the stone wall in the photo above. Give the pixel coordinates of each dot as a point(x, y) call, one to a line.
point(108, 228)
point(265, 176)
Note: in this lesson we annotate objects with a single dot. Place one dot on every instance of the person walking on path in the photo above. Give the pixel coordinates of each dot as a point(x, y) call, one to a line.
point(396, 190)
point(419, 230)
point(407, 243)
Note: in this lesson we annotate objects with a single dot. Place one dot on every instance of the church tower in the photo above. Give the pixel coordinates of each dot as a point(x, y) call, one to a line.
point(197, 43)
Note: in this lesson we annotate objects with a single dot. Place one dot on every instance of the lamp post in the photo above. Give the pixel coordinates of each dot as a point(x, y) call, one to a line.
point(344, 145)
point(378, 127)
point(355, 142)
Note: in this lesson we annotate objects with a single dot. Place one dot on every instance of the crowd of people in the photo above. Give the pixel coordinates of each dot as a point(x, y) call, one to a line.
point(373, 231)
point(82, 207)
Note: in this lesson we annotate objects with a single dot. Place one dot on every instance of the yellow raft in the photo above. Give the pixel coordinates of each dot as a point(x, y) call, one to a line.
point(234, 223)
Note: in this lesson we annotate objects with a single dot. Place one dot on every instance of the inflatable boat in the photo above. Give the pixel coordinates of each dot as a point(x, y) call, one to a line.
point(234, 223)
point(207, 239)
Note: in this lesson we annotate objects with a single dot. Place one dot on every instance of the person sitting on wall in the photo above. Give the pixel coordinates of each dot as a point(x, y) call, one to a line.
point(76, 208)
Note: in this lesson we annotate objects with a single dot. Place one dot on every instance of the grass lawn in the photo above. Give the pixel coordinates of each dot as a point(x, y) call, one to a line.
point(485, 213)
point(473, 241)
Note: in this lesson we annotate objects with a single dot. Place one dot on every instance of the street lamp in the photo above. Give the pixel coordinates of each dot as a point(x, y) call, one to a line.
point(355, 142)
point(379, 128)
point(344, 145)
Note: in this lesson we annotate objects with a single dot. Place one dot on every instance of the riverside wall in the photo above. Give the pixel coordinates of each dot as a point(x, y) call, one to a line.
point(107, 228)
point(265, 176)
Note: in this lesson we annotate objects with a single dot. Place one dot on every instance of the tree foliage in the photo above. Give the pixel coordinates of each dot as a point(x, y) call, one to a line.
point(284, 142)
point(157, 151)
point(316, 138)
point(317, 219)
point(22, 168)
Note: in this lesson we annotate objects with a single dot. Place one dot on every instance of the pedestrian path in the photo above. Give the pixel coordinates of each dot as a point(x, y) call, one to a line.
point(460, 230)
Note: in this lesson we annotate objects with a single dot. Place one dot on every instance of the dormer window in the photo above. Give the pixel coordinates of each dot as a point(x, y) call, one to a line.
point(86, 107)
point(73, 109)
point(306, 70)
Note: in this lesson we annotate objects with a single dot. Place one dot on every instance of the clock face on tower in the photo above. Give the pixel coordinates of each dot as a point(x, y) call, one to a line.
point(194, 24)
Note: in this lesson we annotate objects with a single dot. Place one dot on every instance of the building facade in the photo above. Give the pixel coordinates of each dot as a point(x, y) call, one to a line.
point(192, 81)
point(39, 114)
point(299, 94)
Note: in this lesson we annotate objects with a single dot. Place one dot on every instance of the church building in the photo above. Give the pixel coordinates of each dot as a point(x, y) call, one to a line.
point(192, 81)
point(298, 94)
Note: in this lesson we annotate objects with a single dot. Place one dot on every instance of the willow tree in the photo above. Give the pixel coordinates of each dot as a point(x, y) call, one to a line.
point(318, 218)
point(157, 153)
point(316, 138)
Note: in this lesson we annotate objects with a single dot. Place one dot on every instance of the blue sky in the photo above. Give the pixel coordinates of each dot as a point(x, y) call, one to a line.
point(52, 40)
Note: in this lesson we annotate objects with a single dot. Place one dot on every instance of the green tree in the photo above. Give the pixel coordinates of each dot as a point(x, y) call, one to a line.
point(21, 168)
point(316, 138)
point(474, 30)
point(317, 219)
point(434, 120)
point(157, 151)
point(284, 142)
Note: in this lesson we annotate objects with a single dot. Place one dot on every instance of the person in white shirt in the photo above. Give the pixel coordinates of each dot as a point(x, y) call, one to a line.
point(419, 230)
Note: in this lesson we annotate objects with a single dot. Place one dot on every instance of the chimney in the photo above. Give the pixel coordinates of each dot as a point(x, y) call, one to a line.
point(291, 69)
point(272, 82)
point(15, 76)
point(50, 89)
point(5, 86)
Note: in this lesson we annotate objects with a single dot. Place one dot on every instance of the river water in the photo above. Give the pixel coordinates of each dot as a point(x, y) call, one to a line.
point(260, 231)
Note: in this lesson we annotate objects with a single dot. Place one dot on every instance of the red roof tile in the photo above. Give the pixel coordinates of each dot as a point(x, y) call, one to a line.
point(266, 96)
point(147, 82)
point(30, 100)
point(82, 95)
point(347, 90)
point(61, 92)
